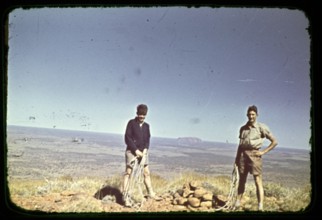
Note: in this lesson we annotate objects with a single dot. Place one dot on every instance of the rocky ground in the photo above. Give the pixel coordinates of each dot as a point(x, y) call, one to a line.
point(109, 200)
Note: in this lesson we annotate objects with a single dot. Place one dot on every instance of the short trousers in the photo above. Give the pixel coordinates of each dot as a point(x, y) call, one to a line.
point(249, 162)
point(129, 157)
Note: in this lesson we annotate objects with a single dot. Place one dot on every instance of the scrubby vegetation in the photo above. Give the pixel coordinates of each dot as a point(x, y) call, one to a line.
point(81, 194)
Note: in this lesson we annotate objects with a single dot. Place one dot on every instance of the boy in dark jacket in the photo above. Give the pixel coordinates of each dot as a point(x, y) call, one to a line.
point(137, 139)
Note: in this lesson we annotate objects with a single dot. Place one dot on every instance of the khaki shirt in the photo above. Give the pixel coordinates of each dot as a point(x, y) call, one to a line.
point(252, 137)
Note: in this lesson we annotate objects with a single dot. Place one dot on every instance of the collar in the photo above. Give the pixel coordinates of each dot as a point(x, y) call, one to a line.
point(255, 125)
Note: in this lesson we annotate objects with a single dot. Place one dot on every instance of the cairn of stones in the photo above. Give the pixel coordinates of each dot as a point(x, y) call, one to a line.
point(194, 197)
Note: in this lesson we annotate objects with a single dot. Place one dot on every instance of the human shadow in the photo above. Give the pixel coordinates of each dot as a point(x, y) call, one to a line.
point(111, 192)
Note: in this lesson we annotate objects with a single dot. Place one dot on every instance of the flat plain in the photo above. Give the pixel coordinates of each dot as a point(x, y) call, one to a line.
point(38, 153)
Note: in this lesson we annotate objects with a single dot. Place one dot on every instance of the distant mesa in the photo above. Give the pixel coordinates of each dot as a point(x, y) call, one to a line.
point(188, 140)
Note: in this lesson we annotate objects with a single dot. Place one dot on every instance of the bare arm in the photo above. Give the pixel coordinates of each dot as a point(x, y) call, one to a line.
point(270, 147)
point(237, 153)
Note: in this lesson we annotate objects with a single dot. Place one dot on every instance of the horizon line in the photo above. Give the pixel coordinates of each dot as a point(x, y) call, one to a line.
point(174, 138)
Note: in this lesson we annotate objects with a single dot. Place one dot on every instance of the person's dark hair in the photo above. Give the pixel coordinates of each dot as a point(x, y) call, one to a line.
point(252, 108)
point(142, 109)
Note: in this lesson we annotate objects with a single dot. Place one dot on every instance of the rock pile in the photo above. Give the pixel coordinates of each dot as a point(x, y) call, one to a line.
point(194, 197)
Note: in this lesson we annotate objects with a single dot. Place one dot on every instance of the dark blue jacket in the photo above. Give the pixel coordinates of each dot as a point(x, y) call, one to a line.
point(137, 137)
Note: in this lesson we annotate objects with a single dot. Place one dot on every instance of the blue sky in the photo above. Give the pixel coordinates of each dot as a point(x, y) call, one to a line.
point(197, 69)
